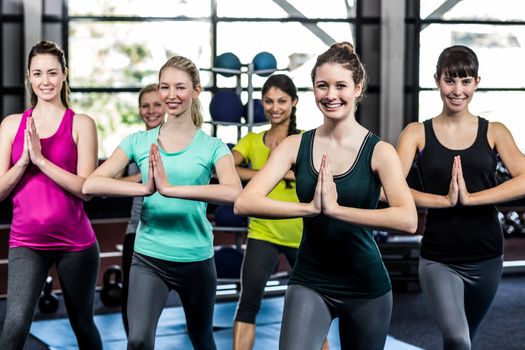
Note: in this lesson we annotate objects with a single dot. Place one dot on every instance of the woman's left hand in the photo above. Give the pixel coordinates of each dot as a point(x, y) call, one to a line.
point(34, 146)
point(328, 189)
point(159, 173)
point(464, 195)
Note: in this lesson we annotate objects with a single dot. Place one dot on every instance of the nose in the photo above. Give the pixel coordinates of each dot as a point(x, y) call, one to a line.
point(331, 93)
point(457, 89)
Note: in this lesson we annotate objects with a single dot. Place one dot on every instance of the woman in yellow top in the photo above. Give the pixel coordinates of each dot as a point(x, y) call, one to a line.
point(267, 239)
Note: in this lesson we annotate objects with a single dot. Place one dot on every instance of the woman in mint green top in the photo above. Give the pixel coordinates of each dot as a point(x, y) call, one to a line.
point(174, 244)
point(340, 168)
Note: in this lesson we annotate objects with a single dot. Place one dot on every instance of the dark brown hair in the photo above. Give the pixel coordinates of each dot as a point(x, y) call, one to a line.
point(457, 61)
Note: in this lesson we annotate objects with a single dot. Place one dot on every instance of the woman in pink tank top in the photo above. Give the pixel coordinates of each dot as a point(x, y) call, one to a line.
point(46, 153)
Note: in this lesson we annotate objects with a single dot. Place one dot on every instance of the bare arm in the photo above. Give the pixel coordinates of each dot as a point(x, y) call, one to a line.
point(253, 200)
point(410, 140)
point(401, 213)
point(244, 173)
point(103, 182)
point(9, 176)
point(87, 147)
point(226, 191)
point(514, 161)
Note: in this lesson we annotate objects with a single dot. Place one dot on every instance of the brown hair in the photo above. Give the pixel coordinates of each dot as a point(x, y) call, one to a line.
point(344, 54)
point(49, 48)
point(457, 61)
point(187, 66)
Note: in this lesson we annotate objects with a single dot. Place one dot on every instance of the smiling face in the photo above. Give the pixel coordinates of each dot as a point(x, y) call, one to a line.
point(278, 105)
point(456, 92)
point(151, 109)
point(46, 77)
point(177, 91)
point(335, 91)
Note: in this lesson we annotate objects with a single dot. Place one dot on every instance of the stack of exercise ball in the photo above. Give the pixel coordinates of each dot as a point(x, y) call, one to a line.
point(227, 60)
point(226, 106)
point(264, 63)
point(225, 217)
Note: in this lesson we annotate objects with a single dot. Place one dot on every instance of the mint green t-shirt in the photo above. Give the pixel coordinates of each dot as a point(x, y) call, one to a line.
point(175, 229)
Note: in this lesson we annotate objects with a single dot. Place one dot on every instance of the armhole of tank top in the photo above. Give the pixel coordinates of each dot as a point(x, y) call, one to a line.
point(483, 133)
point(21, 125)
point(300, 155)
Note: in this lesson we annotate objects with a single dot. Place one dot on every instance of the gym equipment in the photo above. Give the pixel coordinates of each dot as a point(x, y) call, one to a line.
point(226, 106)
point(264, 61)
point(258, 112)
point(380, 236)
point(225, 217)
point(111, 293)
point(227, 60)
point(48, 302)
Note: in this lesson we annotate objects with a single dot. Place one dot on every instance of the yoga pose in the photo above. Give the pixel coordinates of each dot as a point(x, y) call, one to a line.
point(456, 154)
point(339, 168)
point(46, 153)
point(174, 243)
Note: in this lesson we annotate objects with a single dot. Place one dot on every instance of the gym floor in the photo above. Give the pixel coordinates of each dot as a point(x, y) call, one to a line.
point(503, 327)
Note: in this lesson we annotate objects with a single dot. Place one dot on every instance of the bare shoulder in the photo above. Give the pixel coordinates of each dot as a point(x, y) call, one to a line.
point(384, 154)
point(414, 129)
point(10, 124)
point(83, 123)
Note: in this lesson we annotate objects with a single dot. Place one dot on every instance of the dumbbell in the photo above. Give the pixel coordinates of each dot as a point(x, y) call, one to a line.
point(48, 302)
point(513, 225)
point(111, 293)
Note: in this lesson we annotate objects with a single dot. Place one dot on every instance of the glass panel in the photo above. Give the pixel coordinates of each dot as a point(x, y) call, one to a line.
point(297, 55)
point(151, 8)
point(501, 106)
point(500, 50)
point(115, 54)
point(504, 10)
point(291, 8)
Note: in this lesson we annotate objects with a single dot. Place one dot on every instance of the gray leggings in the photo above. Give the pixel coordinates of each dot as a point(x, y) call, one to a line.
point(363, 323)
point(27, 272)
point(458, 296)
point(150, 282)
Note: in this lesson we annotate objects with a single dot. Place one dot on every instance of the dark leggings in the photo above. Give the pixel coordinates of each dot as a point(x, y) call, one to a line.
point(127, 255)
point(260, 260)
point(150, 282)
point(27, 272)
point(307, 315)
point(459, 296)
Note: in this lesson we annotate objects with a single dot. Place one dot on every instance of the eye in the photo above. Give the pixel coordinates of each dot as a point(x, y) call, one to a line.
point(320, 85)
point(340, 86)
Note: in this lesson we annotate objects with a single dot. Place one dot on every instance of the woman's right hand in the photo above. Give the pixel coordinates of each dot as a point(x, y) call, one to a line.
point(24, 159)
point(316, 203)
point(150, 182)
point(453, 191)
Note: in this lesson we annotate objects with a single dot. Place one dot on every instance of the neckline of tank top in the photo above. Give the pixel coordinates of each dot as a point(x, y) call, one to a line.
point(451, 149)
point(60, 125)
point(356, 160)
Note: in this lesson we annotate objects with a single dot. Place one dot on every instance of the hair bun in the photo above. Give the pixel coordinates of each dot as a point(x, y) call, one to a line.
point(344, 45)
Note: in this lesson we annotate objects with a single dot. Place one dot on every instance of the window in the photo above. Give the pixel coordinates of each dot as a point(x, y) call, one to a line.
point(116, 47)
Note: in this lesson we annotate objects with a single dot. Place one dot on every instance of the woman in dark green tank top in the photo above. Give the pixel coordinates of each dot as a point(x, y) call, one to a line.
point(340, 168)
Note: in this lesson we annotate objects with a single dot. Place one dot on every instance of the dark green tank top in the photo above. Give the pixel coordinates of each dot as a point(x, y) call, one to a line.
point(335, 257)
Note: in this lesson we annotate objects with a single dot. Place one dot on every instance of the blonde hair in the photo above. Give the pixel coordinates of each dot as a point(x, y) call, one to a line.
point(187, 66)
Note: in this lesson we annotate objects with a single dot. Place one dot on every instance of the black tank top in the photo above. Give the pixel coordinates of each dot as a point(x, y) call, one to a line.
point(337, 258)
point(460, 234)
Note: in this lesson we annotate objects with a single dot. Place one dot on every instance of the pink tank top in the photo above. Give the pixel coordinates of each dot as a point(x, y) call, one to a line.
point(45, 216)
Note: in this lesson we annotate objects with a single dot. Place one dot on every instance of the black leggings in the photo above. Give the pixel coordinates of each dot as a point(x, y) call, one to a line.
point(150, 282)
point(27, 272)
point(260, 260)
point(307, 315)
point(127, 255)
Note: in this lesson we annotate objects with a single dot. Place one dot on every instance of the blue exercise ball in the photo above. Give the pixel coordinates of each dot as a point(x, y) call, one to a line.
point(227, 60)
point(258, 112)
point(226, 106)
point(264, 61)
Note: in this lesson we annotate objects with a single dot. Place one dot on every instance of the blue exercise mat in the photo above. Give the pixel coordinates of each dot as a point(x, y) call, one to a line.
point(171, 331)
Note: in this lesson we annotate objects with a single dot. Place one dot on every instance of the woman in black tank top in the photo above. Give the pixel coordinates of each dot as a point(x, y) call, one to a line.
point(456, 155)
point(340, 168)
